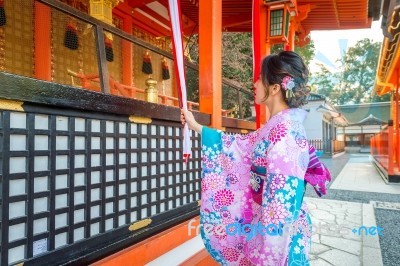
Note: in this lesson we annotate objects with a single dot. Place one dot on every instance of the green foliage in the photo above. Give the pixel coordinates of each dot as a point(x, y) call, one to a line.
point(323, 83)
point(355, 79)
point(237, 67)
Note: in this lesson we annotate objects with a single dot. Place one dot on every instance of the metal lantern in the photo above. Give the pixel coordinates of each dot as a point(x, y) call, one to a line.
point(278, 20)
point(102, 9)
point(278, 24)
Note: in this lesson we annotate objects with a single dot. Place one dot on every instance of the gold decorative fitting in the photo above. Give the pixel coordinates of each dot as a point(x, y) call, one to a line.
point(151, 92)
point(102, 9)
point(140, 224)
point(11, 105)
point(244, 131)
point(140, 119)
point(199, 203)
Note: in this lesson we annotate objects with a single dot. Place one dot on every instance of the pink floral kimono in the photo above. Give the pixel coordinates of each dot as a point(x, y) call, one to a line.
point(252, 209)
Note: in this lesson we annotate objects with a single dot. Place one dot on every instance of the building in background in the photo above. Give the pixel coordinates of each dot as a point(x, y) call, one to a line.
point(322, 124)
point(365, 120)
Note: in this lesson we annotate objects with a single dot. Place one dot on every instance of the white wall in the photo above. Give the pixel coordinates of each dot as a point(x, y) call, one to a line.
point(313, 122)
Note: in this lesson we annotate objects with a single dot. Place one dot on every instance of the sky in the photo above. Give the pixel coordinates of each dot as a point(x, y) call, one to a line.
point(330, 45)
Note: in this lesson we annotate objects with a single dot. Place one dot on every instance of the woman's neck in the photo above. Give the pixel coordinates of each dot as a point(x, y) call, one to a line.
point(276, 108)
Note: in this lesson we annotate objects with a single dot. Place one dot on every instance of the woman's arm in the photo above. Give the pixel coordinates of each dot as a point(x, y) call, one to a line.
point(187, 117)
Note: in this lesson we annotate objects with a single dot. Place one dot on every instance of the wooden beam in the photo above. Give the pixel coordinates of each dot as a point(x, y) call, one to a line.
point(149, 25)
point(155, 15)
point(187, 26)
point(237, 19)
point(153, 247)
point(336, 12)
point(139, 3)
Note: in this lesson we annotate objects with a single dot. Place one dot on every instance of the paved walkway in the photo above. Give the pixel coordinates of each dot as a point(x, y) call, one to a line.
point(337, 238)
point(364, 199)
point(361, 175)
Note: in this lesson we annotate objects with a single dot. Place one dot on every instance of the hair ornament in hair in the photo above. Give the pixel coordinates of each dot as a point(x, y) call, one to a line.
point(288, 85)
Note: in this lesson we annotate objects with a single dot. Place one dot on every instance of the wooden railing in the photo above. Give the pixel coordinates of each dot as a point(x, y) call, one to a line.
point(123, 90)
point(325, 146)
point(317, 143)
point(107, 84)
point(119, 89)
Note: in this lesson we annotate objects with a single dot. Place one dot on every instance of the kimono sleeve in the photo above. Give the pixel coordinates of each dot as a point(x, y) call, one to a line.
point(317, 174)
point(238, 145)
point(225, 176)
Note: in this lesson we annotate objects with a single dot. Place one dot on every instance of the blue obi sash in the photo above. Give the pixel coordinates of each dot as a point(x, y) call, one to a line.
point(257, 176)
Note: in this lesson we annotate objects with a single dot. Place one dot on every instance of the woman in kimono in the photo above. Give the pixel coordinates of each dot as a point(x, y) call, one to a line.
point(252, 209)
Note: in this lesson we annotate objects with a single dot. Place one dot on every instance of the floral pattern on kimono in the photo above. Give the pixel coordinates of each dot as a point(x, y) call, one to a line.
point(257, 181)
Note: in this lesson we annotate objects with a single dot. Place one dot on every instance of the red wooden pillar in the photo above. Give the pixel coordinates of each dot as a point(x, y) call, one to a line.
point(42, 34)
point(292, 32)
point(265, 50)
point(210, 65)
point(395, 127)
point(261, 48)
point(396, 119)
point(390, 149)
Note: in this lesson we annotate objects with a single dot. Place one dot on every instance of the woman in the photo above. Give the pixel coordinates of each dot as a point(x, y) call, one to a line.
point(253, 185)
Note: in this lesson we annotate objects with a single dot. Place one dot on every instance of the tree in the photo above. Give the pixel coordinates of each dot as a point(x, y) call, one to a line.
point(323, 81)
point(237, 66)
point(355, 79)
point(359, 71)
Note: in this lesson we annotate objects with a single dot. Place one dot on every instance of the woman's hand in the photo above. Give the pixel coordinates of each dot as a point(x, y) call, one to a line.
point(187, 117)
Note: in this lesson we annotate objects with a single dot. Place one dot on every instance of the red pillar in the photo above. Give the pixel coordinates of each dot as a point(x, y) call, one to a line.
point(210, 65)
point(292, 32)
point(261, 49)
point(396, 155)
point(396, 120)
point(390, 150)
point(42, 41)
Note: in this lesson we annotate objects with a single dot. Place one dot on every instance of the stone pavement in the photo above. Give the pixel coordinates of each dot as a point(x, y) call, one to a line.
point(356, 194)
point(333, 240)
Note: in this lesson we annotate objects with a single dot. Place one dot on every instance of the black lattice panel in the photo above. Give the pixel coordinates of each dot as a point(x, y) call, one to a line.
point(67, 178)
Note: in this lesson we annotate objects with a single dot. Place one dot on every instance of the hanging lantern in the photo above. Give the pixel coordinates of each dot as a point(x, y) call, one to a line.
point(109, 48)
point(278, 20)
point(147, 67)
point(102, 9)
point(71, 36)
point(278, 24)
point(3, 19)
point(165, 70)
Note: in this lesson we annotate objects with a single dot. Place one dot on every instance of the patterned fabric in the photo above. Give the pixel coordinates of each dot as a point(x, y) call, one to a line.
point(317, 174)
point(252, 210)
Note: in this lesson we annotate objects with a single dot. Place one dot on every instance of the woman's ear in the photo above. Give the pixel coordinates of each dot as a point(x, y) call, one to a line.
point(275, 88)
